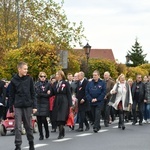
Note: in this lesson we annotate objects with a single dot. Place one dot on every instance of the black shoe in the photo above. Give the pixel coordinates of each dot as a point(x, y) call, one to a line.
point(106, 124)
point(47, 135)
point(123, 127)
point(119, 125)
point(41, 138)
point(31, 145)
point(140, 123)
point(79, 130)
point(134, 122)
point(87, 128)
point(53, 130)
point(60, 137)
point(18, 147)
point(95, 130)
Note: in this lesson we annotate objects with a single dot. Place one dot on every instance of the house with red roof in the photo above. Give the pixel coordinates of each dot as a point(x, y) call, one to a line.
point(98, 53)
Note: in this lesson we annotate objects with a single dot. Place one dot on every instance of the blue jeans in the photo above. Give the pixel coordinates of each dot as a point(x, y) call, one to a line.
point(146, 111)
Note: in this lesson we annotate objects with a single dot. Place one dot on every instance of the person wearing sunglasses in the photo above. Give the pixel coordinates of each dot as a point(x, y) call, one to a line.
point(42, 88)
point(139, 96)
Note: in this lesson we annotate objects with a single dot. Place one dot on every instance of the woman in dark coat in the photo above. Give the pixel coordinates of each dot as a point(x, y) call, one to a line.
point(63, 102)
point(42, 88)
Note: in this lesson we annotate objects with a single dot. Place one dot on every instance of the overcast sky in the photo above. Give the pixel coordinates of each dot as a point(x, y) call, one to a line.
point(112, 24)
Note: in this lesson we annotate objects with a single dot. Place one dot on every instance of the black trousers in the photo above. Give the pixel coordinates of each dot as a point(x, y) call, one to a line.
point(140, 109)
point(23, 114)
point(53, 123)
point(83, 119)
point(106, 108)
point(96, 113)
point(41, 120)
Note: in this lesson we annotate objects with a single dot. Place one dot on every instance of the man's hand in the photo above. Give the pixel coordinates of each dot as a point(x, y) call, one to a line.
point(34, 111)
point(145, 101)
point(94, 100)
point(82, 101)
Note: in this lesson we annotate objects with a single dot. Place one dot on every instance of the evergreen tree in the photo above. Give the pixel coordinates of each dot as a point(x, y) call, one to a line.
point(136, 55)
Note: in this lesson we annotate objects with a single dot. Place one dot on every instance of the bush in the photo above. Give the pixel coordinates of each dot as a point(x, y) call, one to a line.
point(102, 66)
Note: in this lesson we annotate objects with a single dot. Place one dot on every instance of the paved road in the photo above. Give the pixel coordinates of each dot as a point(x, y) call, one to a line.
point(111, 138)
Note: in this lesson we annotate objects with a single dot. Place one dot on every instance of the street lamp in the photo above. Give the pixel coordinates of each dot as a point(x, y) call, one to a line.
point(127, 58)
point(87, 49)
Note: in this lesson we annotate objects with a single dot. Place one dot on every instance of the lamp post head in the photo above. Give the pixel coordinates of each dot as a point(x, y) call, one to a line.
point(127, 58)
point(87, 49)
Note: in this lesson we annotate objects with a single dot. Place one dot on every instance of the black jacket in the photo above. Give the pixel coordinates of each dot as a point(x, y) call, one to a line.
point(142, 91)
point(80, 94)
point(41, 89)
point(22, 92)
point(63, 101)
point(2, 92)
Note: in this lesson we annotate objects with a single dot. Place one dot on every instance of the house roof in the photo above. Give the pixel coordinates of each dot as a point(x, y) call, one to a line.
point(99, 53)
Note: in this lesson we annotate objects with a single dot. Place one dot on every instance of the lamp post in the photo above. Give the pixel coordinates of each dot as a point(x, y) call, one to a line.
point(87, 49)
point(127, 58)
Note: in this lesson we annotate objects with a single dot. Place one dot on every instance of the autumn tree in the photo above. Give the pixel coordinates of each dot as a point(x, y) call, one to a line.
point(136, 55)
point(102, 66)
point(40, 56)
point(39, 20)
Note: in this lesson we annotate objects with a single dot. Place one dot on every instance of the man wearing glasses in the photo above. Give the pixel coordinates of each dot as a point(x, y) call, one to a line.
point(139, 95)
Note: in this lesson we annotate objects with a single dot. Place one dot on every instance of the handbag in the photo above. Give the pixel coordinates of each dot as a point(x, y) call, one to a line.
point(70, 120)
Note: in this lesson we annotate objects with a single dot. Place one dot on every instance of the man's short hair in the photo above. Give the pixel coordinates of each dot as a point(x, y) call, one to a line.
point(20, 64)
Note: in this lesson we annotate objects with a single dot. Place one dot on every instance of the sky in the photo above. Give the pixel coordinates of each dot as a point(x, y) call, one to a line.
point(112, 24)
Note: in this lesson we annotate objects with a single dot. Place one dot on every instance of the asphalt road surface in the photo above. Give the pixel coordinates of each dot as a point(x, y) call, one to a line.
point(110, 138)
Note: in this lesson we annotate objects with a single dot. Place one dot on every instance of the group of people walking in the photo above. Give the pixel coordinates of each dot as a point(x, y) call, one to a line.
point(87, 99)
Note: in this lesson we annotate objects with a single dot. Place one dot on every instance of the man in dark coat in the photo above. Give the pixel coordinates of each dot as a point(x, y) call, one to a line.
point(138, 90)
point(83, 103)
point(22, 97)
point(95, 93)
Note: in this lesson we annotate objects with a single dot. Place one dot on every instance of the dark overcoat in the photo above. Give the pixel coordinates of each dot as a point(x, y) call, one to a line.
point(41, 89)
point(63, 101)
point(80, 94)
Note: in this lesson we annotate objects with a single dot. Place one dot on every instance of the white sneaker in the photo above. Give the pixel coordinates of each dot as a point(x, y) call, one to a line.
point(145, 121)
point(148, 120)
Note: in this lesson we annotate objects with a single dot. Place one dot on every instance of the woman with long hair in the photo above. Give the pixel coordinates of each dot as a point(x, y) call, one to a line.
point(121, 98)
point(62, 103)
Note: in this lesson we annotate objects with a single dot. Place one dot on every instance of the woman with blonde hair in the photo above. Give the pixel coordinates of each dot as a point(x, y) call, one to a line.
point(63, 102)
point(121, 98)
point(42, 88)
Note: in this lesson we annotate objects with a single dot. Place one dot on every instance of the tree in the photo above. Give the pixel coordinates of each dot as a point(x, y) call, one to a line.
point(40, 20)
point(40, 56)
point(102, 65)
point(136, 55)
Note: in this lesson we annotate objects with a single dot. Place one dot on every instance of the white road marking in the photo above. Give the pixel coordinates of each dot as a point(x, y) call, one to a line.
point(36, 146)
point(62, 140)
point(115, 127)
point(84, 134)
point(100, 131)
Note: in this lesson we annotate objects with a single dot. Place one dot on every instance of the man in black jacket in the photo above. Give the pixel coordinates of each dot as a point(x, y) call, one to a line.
point(83, 104)
point(22, 97)
point(138, 90)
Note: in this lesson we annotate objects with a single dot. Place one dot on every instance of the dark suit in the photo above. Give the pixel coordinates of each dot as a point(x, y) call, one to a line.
point(82, 107)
